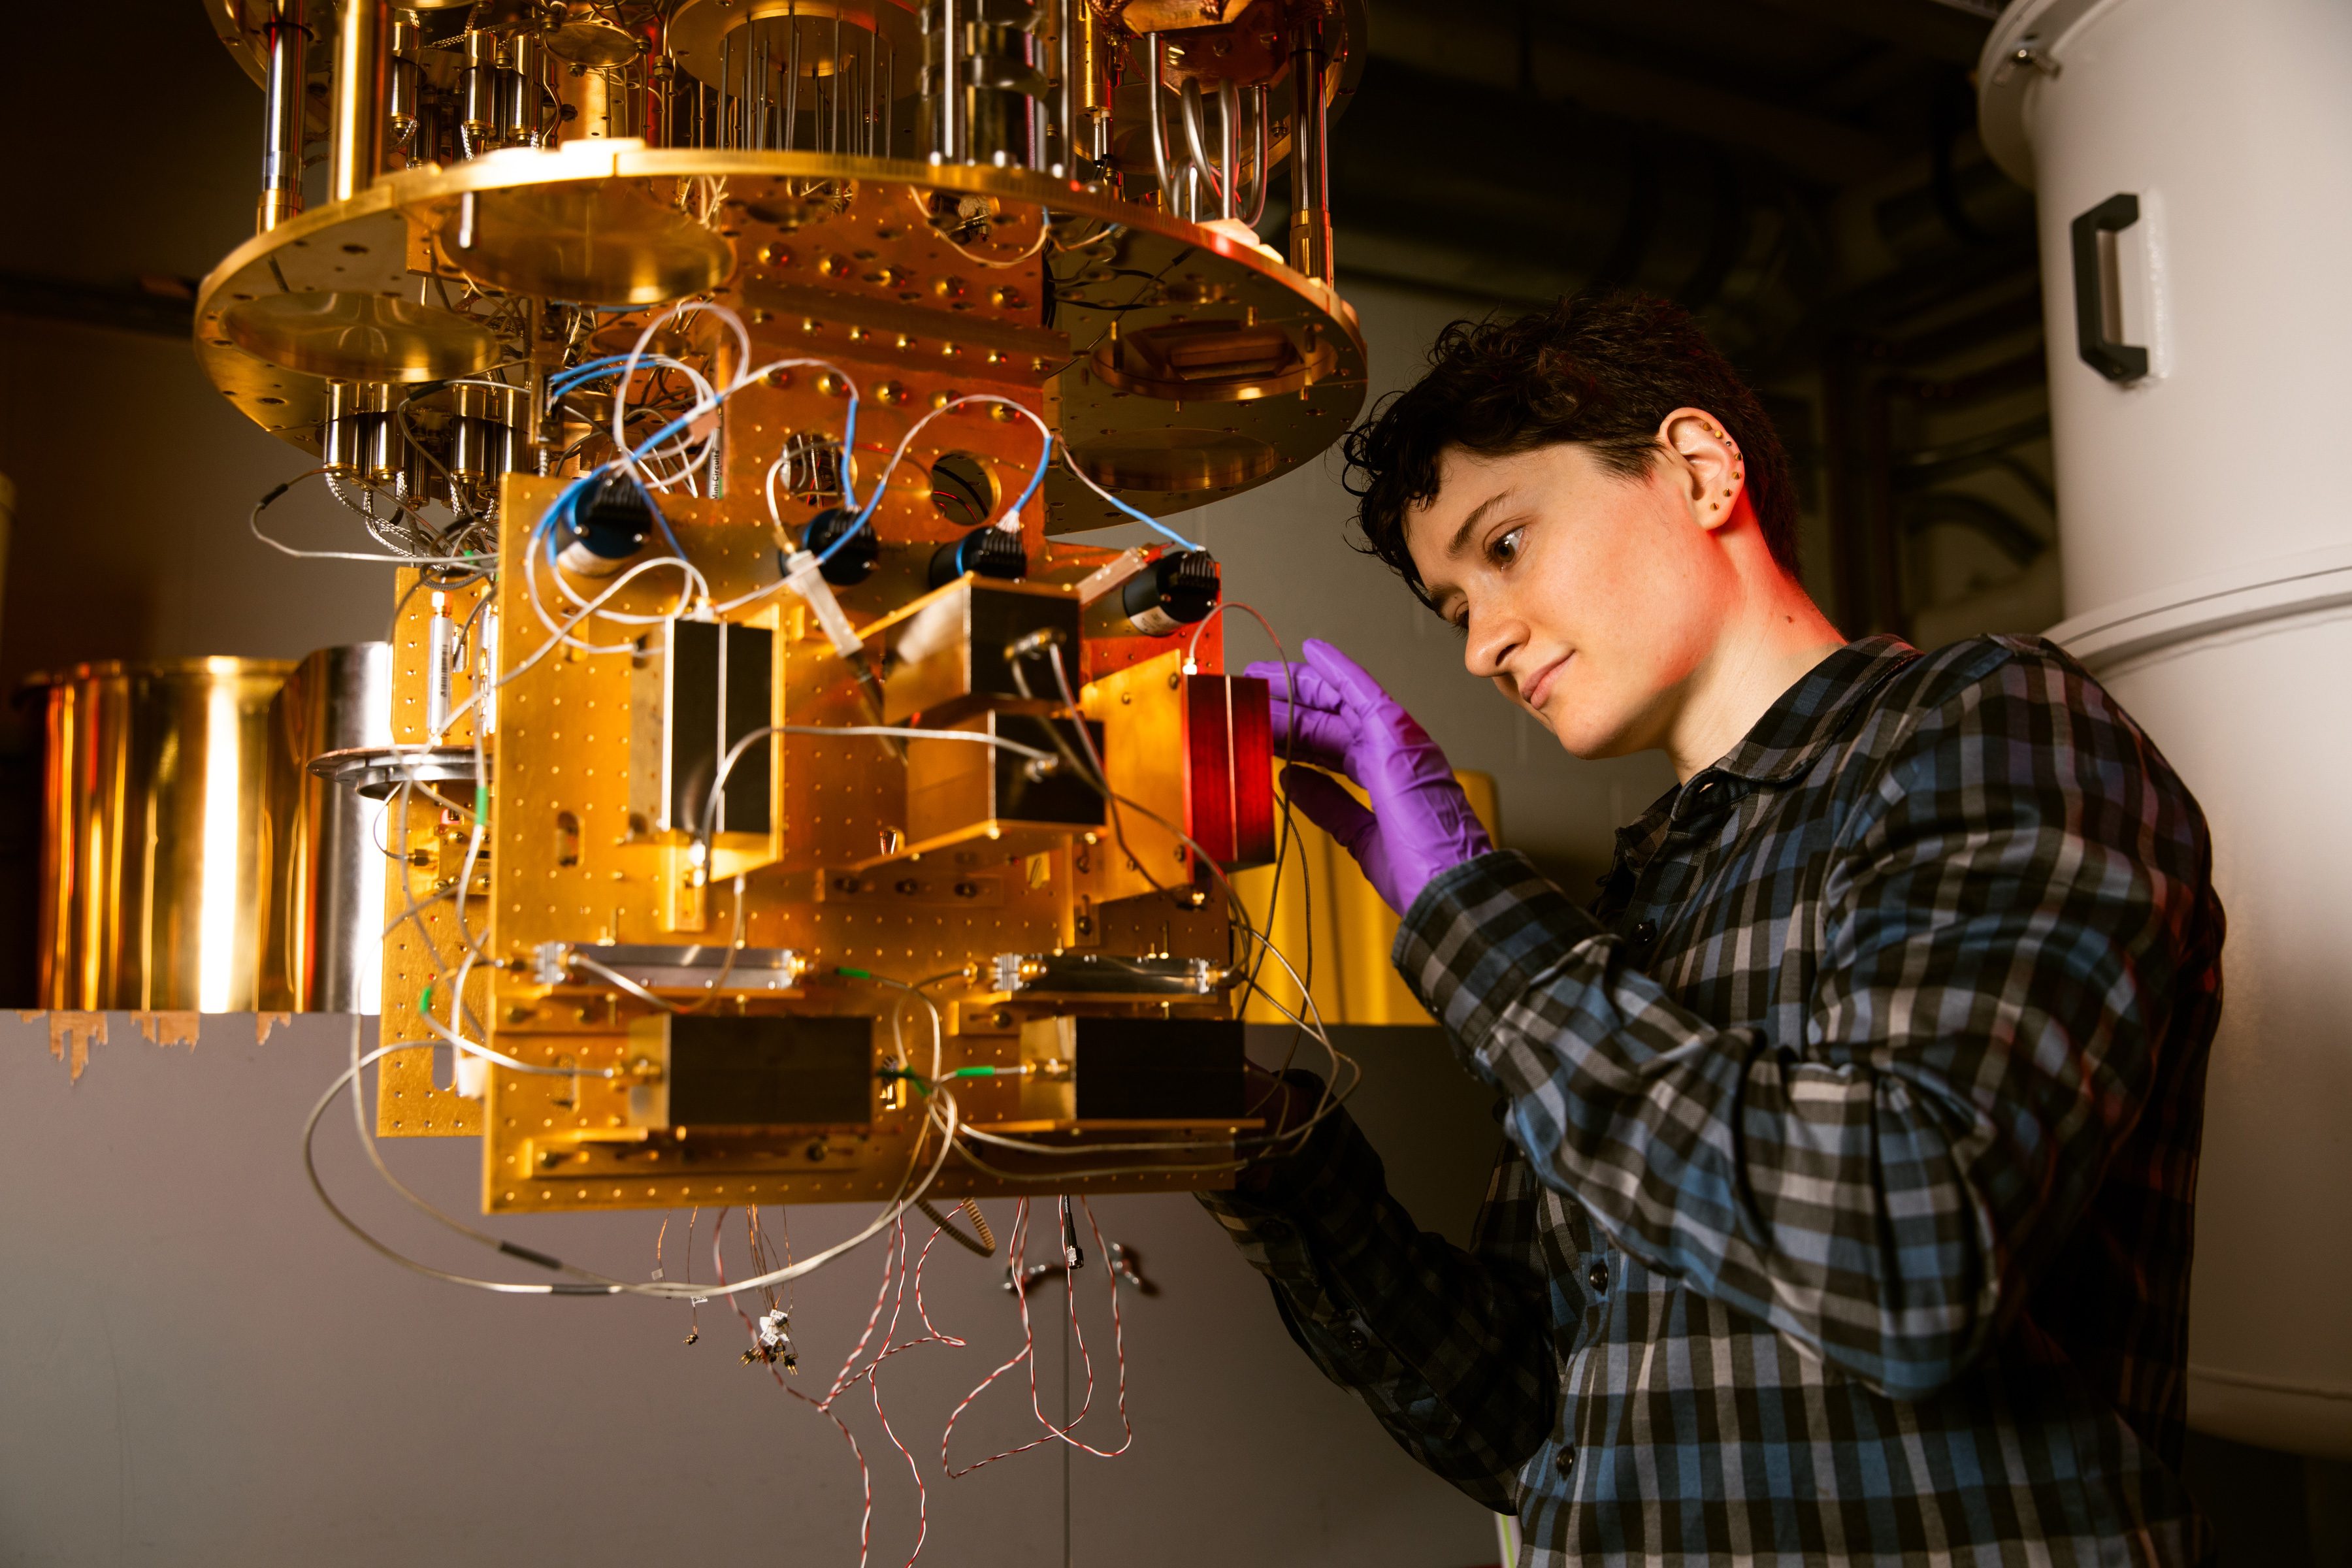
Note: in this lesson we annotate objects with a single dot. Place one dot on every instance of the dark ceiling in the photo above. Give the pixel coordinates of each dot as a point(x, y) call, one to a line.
point(1722, 152)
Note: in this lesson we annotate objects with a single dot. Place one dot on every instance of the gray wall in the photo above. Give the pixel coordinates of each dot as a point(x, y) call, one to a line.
point(198, 1366)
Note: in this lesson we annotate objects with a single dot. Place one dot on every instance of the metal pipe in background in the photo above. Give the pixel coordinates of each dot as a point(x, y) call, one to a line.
point(726, 85)
point(322, 937)
point(1094, 85)
point(1156, 126)
point(792, 84)
point(284, 104)
point(1066, 94)
point(1196, 139)
point(1310, 166)
point(357, 121)
point(1261, 111)
point(1229, 109)
point(950, 122)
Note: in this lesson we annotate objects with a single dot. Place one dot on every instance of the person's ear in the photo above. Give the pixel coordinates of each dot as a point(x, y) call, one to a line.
point(1707, 464)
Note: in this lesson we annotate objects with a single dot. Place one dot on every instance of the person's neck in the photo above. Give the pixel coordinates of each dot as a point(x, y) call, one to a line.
point(1771, 641)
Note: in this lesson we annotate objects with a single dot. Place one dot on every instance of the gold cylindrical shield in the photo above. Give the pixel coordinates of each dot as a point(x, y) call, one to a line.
point(155, 834)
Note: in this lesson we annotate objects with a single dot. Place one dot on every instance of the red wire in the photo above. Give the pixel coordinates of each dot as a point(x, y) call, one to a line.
point(892, 1294)
point(1017, 1245)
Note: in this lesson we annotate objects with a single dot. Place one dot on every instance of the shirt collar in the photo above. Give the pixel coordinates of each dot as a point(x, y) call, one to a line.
point(1811, 715)
point(1799, 725)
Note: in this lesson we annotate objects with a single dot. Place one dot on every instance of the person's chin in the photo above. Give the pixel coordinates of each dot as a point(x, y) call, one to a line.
point(1580, 737)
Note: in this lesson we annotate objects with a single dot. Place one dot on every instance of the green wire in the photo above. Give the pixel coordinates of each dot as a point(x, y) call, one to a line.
point(923, 1084)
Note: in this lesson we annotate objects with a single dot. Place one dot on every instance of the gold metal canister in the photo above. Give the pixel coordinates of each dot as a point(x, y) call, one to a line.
point(155, 844)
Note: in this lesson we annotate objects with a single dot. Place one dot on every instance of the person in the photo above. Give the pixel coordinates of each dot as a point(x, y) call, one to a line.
point(1844, 1211)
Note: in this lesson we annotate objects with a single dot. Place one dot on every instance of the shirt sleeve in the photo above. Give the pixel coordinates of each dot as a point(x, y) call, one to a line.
point(1451, 1351)
point(2005, 916)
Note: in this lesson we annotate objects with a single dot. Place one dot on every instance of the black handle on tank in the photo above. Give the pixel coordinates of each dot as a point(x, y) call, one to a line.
point(2093, 308)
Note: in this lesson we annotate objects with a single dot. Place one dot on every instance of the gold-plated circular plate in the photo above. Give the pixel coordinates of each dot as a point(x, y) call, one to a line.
point(1240, 368)
point(597, 242)
point(1178, 461)
point(351, 336)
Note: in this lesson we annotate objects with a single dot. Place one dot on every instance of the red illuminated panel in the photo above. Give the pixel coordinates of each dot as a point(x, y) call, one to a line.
point(1229, 769)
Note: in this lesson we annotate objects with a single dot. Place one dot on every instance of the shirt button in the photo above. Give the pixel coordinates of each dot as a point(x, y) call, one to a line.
point(1599, 1275)
point(1273, 1230)
point(1644, 934)
point(1565, 1460)
point(1354, 1341)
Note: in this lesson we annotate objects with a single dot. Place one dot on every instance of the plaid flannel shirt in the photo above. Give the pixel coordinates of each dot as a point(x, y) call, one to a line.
point(1845, 1210)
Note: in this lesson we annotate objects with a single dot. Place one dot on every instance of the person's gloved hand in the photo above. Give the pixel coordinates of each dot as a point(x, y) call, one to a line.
point(1419, 824)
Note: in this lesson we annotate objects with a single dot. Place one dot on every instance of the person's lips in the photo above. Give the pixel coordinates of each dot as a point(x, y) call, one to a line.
point(1538, 686)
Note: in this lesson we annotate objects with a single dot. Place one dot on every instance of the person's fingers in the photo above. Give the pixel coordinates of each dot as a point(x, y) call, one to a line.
point(1328, 805)
point(1346, 677)
point(1288, 681)
point(1311, 735)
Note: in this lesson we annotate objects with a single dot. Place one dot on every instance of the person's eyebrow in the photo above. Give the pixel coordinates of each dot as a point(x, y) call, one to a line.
point(1461, 538)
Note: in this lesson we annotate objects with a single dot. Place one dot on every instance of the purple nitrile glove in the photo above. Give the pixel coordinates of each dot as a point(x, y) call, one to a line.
point(1419, 824)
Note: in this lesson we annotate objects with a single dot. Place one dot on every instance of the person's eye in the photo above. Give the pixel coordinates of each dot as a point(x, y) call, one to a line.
point(1505, 549)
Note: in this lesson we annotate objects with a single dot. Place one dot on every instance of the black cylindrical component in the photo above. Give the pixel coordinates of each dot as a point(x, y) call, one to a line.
point(1179, 589)
point(854, 561)
point(284, 103)
point(602, 523)
point(990, 552)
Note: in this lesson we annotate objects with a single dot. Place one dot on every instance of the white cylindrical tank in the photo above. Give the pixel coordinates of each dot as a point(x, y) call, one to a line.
point(2192, 161)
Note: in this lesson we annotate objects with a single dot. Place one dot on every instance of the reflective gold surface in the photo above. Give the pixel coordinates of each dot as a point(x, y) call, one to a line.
point(156, 841)
point(835, 249)
point(322, 932)
point(562, 752)
point(600, 242)
point(360, 337)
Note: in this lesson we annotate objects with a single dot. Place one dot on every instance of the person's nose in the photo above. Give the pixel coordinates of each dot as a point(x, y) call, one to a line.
point(1494, 637)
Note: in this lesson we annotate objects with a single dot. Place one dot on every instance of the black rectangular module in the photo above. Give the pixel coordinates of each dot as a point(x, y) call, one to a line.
point(702, 687)
point(1062, 794)
point(770, 1071)
point(944, 654)
point(1137, 1069)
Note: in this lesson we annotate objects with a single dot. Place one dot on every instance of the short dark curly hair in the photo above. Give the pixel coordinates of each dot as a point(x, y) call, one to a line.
point(1600, 370)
